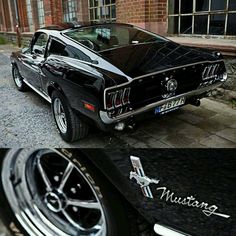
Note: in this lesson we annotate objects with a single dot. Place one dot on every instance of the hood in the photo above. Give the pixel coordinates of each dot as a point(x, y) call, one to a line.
point(140, 59)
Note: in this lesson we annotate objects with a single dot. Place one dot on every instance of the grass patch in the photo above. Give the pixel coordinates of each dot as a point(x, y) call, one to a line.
point(2, 40)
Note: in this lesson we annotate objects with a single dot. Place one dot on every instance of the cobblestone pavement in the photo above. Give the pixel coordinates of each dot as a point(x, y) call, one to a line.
point(26, 121)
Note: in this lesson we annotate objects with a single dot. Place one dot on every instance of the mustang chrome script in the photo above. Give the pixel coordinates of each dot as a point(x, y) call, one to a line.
point(166, 194)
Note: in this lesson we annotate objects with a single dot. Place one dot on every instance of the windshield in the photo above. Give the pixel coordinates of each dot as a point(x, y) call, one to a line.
point(105, 37)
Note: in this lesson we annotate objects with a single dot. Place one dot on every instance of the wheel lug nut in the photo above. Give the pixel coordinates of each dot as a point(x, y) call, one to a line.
point(56, 178)
point(73, 190)
point(79, 186)
point(75, 209)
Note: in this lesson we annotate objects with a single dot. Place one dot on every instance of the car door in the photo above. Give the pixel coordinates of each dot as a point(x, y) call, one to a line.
point(34, 58)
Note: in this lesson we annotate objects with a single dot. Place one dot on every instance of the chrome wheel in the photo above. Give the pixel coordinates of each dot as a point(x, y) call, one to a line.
point(60, 115)
point(50, 195)
point(17, 78)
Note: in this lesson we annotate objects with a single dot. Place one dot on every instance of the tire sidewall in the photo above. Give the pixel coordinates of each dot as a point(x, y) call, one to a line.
point(114, 208)
point(68, 135)
point(7, 215)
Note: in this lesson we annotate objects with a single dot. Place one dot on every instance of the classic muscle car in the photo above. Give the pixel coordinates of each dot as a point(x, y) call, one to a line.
point(107, 74)
point(139, 192)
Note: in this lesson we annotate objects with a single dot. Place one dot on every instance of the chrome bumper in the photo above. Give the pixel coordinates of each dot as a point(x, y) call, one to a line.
point(107, 120)
point(166, 231)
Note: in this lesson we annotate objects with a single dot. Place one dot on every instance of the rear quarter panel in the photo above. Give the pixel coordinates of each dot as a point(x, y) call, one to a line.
point(207, 175)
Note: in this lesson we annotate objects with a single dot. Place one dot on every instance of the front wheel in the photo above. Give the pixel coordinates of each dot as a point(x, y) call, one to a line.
point(21, 86)
point(70, 126)
point(49, 192)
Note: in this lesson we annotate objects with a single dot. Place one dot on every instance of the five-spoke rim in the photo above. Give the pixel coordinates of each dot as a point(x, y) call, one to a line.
point(17, 78)
point(60, 115)
point(54, 197)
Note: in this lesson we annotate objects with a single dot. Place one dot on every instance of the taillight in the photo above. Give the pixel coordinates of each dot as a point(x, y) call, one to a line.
point(126, 94)
point(118, 98)
point(117, 102)
point(110, 100)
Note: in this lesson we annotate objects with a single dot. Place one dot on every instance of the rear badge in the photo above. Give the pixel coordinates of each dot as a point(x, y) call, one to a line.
point(166, 194)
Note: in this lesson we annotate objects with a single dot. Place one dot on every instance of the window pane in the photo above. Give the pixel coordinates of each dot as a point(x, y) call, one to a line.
point(91, 3)
point(202, 5)
point(232, 5)
point(96, 13)
point(218, 5)
point(113, 1)
point(173, 24)
point(91, 14)
point(113, 11)
point(186, 24)
point(95, 3)
point(217, 24)
point(200, 24)
point(174, 7)
point(231, 29)
point(186, 6)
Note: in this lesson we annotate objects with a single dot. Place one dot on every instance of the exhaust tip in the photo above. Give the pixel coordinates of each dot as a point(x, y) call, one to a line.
point(120, 126)
point(196, 102)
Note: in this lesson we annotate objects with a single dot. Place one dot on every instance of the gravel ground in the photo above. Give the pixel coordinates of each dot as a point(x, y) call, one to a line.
point(26, 121)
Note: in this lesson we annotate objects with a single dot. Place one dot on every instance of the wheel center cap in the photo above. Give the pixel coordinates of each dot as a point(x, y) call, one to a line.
point(55, 201)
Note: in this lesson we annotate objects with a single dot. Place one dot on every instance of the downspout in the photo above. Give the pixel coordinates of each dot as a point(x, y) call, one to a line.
point(18, 35)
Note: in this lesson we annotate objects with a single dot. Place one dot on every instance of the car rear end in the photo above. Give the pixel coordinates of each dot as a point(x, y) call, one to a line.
point(162, 91)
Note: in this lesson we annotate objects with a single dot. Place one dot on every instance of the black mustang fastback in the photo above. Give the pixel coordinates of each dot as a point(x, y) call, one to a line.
point(109, 73)
point(139, 192)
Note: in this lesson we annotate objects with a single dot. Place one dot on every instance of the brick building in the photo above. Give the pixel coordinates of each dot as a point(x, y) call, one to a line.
point(204, 18)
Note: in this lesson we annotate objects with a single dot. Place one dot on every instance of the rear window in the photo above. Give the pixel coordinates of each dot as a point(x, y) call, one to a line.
point(106, 37)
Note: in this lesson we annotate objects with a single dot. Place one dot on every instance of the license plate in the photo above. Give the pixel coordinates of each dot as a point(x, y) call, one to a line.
point(170, 106)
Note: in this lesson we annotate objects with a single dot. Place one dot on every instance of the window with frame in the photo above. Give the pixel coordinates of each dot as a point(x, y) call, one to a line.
point(205, 17)
point(70, 9)
point(61, 49)
point(102, 10)
point(41, 17)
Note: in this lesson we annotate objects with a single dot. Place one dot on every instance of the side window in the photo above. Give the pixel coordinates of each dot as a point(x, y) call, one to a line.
point(76, 53)
point(56, 48)
point(40, 43)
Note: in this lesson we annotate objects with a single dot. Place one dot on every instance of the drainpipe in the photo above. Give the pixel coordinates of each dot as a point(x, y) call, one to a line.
point(18, 34)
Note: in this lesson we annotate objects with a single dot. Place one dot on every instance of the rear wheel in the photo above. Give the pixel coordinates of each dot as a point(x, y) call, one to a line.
point(47, 192)
point(70, 126)
point(21, 86)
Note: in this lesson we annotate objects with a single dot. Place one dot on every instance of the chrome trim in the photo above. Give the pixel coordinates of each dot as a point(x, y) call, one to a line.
point(155, 73)
point(166, 231)
point(107, 120)
point(47, 98)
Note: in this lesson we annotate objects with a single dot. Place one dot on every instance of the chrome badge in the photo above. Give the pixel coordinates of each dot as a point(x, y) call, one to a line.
point(165, 194)
point(140, 177)
point(171, 85)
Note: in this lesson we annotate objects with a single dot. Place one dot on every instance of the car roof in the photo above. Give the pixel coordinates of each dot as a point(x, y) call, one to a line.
point(74, 25)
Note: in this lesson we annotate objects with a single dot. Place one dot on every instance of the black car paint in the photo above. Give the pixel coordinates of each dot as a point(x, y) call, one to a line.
point(81, 81)
point(141, 59)
point(208, 175)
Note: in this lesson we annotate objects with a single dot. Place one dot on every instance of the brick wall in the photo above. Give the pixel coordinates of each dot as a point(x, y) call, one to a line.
point(149, 14)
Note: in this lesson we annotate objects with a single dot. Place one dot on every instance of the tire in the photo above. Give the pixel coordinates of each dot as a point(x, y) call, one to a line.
point(70, 126)
point(36, 183)
point(18, 80)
